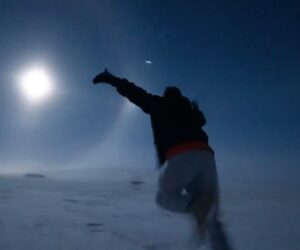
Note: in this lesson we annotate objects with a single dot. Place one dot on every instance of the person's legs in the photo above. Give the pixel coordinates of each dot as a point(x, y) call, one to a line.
point(189, 184)
point(183, 179)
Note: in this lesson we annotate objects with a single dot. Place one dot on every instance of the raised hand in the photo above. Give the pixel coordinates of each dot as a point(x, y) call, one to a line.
point(105, 77)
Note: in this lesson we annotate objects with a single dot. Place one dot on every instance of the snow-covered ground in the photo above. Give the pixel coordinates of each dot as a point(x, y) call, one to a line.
point(99, 213)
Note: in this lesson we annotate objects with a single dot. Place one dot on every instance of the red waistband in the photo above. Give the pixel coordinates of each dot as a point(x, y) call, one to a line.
point(186, 147)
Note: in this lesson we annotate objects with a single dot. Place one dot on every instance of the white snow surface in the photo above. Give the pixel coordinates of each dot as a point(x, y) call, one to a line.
point(115, 214)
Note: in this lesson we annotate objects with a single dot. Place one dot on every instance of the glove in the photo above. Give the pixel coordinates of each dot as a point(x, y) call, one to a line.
point(105, 77)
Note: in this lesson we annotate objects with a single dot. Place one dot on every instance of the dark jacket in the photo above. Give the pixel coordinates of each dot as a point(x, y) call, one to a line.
point(174, 120)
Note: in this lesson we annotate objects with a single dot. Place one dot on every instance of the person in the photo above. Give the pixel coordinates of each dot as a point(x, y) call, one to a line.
point(188, 179)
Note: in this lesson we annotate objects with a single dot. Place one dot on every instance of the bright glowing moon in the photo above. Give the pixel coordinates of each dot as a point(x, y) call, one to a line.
point(36, 84)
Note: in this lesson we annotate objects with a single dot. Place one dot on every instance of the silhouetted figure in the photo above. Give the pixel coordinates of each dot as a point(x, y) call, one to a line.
point(188, 181)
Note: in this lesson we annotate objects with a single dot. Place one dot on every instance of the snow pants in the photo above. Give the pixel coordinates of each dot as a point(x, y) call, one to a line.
point(186, 177)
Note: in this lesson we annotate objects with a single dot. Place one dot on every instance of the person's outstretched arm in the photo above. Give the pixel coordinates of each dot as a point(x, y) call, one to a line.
point(146, 101)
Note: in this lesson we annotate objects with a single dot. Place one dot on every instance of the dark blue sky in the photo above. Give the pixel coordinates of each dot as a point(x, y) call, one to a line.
point(240, 60)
